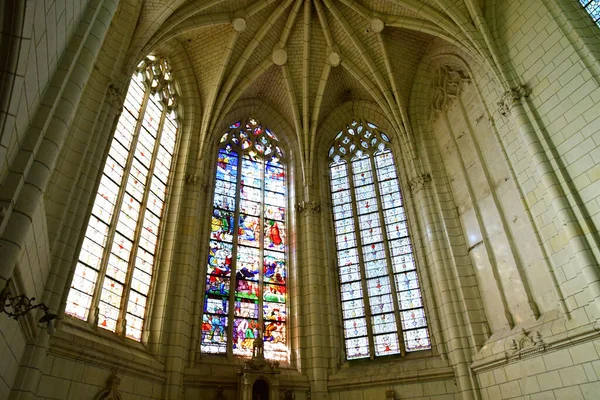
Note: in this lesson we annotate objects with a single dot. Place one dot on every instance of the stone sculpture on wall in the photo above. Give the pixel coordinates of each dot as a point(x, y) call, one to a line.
point(219, 394)
point(111, 391)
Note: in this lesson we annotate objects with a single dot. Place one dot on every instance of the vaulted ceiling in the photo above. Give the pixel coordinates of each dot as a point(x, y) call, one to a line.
point(306, 57)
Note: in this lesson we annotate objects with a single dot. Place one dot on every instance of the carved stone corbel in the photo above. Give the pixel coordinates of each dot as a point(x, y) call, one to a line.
point(390, 394)
point(311, 206)
point(526, 343)
point(219, 394)
point(191, 179)
point(512, 97)
point(111, 391)
point(419, 182)
point(115, 97)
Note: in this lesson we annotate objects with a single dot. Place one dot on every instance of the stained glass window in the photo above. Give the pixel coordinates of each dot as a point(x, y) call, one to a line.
point(114, 270)
point(246, 277)
point(593, 8)
point(382, 307)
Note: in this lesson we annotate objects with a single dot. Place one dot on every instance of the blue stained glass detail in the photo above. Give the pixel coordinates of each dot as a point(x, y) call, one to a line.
point(248, 263)
point(274, 267)
point(217, 285)
point(215, 306)
point(222, 226)
point(275, 179)
point(251, 173)
point(249, 231)
point(219, 258)
point(593, 9)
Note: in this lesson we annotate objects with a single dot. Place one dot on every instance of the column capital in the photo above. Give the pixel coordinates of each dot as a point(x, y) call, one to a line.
point(311, 206)
point(191, 179)
point(419, 182)
point(512, 97)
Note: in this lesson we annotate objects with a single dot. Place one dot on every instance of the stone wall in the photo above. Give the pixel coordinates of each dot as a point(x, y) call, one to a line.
point(511, 313)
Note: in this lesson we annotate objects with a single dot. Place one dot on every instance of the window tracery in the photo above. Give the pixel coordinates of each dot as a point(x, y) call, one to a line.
point(380, 291)
point(247, 246)
point(113, 275)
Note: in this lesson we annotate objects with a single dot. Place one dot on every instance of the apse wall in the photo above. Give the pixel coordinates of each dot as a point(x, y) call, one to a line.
point(494, 256)
point(541, 319)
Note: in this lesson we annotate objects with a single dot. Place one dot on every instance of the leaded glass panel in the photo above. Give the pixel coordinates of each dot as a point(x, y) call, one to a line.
point(247, 247)
point(114, 271)
point(379, 285)
point(593, 8)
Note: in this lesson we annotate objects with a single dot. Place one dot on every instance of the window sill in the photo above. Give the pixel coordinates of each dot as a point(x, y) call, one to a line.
point(77, 340)
point(414, 367)
point(224, 362)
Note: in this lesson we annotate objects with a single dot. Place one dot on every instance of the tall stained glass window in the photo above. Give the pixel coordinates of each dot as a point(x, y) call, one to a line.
point(593, 8)
point(382, 305)
point(114, 270)
point(245, 293)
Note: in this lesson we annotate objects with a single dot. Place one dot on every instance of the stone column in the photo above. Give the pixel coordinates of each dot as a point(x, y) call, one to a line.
point(26, 183)
point(313, 285)
point(512, 104)
point(456, 342)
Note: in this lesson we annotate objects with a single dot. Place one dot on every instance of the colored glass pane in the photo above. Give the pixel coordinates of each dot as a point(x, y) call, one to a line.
point(274, 267)
point(244, 333)
point(275, 340)
point(247, 243)
point(222, 226)
point(214, 333)
point(246, 308)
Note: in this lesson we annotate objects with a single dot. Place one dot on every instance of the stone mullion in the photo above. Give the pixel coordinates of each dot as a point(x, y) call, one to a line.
point(361, 262)
point(388, 256)
point(232, 277)
point(261, 250)
point(139, 227)
point(112, 228)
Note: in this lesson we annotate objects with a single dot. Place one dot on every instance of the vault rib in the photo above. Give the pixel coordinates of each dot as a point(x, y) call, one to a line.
point(364, 80)
point(316, 113)
point(210, 104)
point(287, 30)
point(324, 24)
point(306, 77)
point(370, 63)
point(237, 69)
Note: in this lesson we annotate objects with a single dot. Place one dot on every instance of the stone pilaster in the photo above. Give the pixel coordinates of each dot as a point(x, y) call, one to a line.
point(512, 103)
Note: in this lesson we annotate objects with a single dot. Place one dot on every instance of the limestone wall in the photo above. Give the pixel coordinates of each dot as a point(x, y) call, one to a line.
point(43, 30)
point(510, 311)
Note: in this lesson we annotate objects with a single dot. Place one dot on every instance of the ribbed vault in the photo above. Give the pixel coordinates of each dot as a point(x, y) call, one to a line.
point(307, 57)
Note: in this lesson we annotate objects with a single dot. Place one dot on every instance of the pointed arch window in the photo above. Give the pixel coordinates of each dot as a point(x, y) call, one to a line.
point(382, 307)
point(245, 294)
point(113, 275)
point(593, 8)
